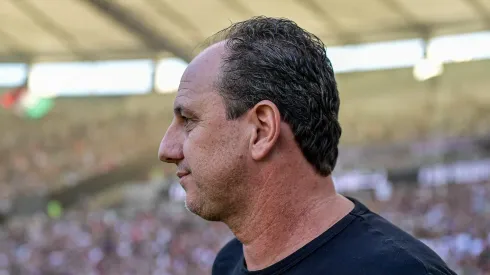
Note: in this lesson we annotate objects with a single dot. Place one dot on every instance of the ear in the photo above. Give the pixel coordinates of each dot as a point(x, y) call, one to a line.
point(266, 121)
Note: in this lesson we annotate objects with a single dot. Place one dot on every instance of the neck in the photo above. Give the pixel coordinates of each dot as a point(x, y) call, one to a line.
point(285, 217)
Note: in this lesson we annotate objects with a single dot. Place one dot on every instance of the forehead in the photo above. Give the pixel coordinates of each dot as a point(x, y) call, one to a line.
point(200, 76)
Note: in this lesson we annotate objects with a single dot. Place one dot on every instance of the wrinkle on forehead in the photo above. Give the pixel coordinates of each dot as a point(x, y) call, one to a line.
point(186, 96)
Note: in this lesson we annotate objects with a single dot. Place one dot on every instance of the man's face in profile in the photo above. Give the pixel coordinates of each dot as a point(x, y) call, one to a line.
point(210, 151)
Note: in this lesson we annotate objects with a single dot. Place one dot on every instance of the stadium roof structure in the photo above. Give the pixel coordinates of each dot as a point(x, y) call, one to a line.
point(68, 30)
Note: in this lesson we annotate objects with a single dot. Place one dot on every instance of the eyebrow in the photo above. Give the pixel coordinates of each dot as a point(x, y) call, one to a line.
point(181, 110)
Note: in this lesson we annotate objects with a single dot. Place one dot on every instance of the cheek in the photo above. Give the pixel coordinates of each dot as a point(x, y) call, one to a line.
point(210, 148)
point(201, 147)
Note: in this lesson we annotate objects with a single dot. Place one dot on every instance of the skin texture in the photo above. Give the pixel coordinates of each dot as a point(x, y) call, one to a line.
point(247, 172)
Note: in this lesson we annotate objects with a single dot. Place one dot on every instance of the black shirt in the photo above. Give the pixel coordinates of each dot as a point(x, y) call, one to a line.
point(360, 243)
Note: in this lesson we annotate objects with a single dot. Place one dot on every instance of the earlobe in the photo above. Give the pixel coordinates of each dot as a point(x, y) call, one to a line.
point(266, 119)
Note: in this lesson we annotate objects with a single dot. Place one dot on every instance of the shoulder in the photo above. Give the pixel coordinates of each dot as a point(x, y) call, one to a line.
point(394, 258)
point(228, 257)
point(372, 242)
point(386, 249)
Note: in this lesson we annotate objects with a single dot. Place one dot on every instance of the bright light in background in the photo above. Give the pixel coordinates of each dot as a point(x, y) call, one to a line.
point(125, 77)
point(427, 68)
point(168, 74)
point(376, 56)
point(53, 79)
point(136, 76)
point(91, 78)
point(460, 48)
point(12, 74)
point(408, 53)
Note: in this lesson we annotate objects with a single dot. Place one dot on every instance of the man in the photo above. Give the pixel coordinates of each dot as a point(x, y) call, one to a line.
point(254, 138)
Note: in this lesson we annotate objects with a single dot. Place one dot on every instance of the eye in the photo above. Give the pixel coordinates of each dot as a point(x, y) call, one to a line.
point(187, 123)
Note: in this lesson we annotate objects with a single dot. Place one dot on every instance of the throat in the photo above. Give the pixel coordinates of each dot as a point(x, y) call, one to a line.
point(284, 234)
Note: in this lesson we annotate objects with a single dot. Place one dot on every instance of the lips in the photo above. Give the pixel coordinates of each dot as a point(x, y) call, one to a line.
point(182, 174)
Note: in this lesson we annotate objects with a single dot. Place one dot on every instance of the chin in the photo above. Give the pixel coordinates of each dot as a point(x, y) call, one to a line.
point(201, 210)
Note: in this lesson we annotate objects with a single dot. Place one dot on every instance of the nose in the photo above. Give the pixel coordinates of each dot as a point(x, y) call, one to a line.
point(170, 150)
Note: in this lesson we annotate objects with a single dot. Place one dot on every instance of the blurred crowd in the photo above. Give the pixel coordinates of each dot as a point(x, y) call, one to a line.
point(163, 240)
point(36, 160)
point(452, 219)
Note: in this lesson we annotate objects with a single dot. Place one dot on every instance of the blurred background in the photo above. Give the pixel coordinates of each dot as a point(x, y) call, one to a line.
point(86, 89)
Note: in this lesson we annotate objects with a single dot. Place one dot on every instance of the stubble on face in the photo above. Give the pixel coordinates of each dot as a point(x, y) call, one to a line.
point(217, 186)
point(216, 148)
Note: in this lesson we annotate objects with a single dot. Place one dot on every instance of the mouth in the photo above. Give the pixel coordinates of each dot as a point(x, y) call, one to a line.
point(182, 174)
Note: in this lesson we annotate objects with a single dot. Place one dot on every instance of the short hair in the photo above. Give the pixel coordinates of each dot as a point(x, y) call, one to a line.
point(274, 59)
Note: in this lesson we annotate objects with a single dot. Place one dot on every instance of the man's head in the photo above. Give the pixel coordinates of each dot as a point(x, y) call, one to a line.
point(264, 92)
